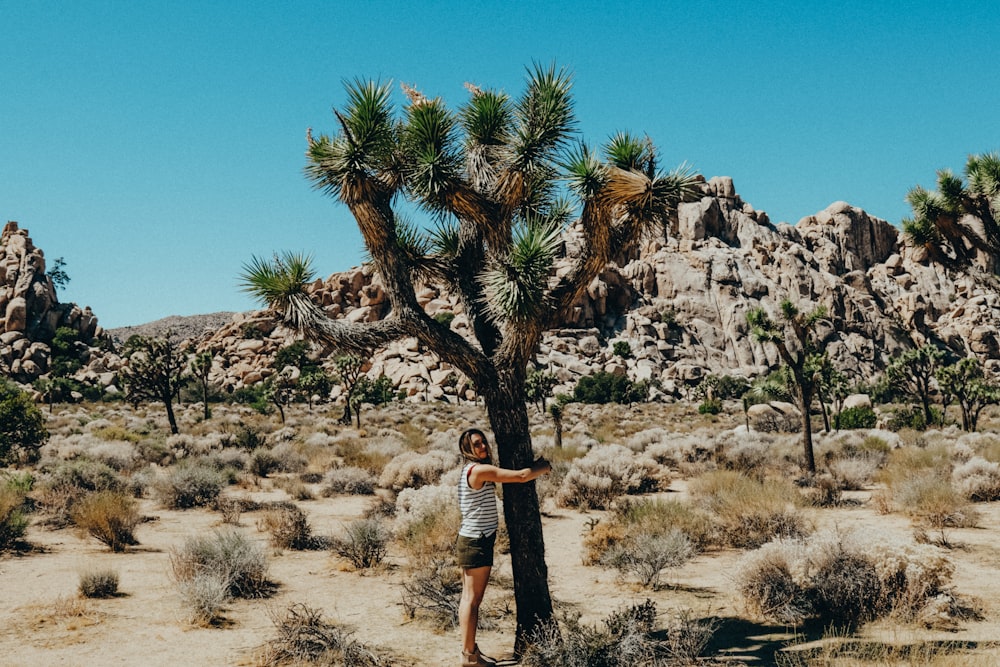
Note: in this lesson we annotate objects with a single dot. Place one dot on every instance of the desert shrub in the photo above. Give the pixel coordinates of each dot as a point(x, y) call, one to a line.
point(190, 484)
point(748, 455)
point(117, 454)
point(204, 594)
point(288, 458)
point(98, 583)
point(824, 490)
point(288, 526)
point(108, 516)
point(433, 592)
point(635, 520)
point(977, 479)
point(230, 508)
point(647, 556)
point(607, 472)
point(60, 488)
point(854, 472)
point(930, 498)
point(226, 556)
point(304, 637)
point(412, 470)
point(262, 462)
point(842, 579)
point(248, 438)
point(228, 458)
point(603, 387)
point(13, 522)
point(350, 480)
point(624, 639)
point(750, 511)
point(364, 543)
point(856, 417)
point(427, 521)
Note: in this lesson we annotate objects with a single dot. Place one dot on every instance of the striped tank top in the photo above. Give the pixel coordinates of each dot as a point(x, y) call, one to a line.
point(479, 508)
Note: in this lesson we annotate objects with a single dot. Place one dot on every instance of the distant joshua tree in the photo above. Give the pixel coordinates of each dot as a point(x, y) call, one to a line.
point(156, 371)
point(493, 176)
point(801, 355)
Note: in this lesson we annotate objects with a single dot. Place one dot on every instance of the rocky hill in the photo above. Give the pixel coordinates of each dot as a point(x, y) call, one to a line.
point(177, 326)
point(680, 302)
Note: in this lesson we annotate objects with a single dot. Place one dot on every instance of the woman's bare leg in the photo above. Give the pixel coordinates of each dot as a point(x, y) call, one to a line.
point(474, 580)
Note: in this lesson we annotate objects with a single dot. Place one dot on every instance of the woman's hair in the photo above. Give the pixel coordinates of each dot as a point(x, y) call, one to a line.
point(465, 445)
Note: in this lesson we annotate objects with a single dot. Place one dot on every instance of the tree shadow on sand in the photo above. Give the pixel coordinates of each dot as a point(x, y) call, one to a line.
point(746, 642)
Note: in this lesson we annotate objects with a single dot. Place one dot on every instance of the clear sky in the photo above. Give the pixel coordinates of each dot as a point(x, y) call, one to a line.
point(157, 146)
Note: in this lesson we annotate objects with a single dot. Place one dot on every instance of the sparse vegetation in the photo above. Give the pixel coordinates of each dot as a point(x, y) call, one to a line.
point(108, 516)
point(99, 583)
point(364, 543)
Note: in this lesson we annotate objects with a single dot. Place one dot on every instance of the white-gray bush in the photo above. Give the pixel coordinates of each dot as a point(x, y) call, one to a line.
point(607, 472)
point(977, 479)
point(349, 480)
point(411, 469)
point(854, 472)
point(647, 557)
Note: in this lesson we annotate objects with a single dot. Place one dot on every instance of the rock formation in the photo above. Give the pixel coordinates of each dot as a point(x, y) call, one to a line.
point(30, 312)
point(680, 302)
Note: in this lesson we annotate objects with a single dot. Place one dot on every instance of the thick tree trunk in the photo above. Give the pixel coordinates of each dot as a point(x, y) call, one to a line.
point(170, 416)
point(508, 415)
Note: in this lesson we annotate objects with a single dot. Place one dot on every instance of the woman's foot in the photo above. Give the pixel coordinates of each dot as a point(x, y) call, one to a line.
point(476, 659)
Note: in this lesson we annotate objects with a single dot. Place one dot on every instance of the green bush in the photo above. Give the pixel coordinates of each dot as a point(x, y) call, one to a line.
point(622, 349)
point(710, 406)
point(22, 425)
point(13, 522)
point(603, 387)
point(912, 416)
point(857, 417)
point(444, 317)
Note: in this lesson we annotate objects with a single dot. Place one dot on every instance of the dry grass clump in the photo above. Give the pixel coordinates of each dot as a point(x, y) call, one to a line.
point(210, 570)
point(427, 521)
point(624, 639)
point(433, 592)
point(929, 498)
point(842, 579)
point(305, 638)
point(349, 480)
point(62, 486)
point(193, 483)
point(412, 470)
point(607, 472)
point(108, 516)
point(749, 511)
point(98, 583)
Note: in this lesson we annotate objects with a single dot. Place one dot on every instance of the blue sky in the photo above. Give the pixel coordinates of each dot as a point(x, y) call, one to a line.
point(157, 146)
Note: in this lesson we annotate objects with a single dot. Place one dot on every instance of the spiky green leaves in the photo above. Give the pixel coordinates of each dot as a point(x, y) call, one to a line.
point(364, 147)
point(279, 282)
point(432, 159)
point(545, 119)
point(983, 172)
point(515, 288)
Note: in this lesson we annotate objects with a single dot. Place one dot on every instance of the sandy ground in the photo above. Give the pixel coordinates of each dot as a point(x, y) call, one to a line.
point(44, 622)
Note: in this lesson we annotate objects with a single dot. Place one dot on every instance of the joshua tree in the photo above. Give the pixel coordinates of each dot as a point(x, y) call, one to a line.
point(959, 219)
point(490, 175)
point(155, 372)
point(912, 374)
point(201, 366)
point(349, 374)
point(967, 384)
point(801, 356)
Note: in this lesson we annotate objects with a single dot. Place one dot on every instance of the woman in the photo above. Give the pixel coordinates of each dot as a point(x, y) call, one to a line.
point(478, 503)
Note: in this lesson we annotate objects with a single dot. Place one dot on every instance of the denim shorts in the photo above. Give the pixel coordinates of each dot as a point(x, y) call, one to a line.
point(475, 551)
